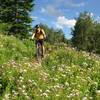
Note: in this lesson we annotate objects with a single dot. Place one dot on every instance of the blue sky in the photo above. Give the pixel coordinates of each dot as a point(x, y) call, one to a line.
point(62, 13)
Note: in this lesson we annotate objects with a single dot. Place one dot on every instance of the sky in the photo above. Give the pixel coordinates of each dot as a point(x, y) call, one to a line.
point(61, 14)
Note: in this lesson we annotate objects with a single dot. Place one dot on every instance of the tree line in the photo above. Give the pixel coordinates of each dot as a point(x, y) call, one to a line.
point(54, 35)
point(15, 20)
point(86, 33)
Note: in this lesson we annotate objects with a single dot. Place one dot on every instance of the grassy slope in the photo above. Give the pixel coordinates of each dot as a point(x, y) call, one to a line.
point(15, 49)
point(65, 74)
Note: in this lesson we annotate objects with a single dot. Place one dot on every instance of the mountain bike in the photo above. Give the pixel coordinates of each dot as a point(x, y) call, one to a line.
point(39, 53)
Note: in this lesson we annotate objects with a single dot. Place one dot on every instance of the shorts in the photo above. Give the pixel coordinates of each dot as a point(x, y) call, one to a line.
point(41, 42)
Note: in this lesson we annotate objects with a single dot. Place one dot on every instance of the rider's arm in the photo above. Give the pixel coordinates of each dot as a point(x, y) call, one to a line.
point(33, 36)
point(44, 33)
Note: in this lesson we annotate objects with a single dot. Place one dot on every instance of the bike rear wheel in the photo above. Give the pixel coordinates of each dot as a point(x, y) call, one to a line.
point(39, 52)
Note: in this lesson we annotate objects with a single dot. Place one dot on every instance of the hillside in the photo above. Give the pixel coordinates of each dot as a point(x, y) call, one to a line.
point(64, 74)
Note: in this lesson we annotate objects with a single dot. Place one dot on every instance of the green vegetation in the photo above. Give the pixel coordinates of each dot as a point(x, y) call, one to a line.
point(86, 33)
point(54, 35)
point(12, 48)
point(16, 15)
point(65, 74)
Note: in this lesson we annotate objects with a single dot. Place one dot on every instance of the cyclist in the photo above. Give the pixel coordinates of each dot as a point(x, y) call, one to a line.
point(39, 35)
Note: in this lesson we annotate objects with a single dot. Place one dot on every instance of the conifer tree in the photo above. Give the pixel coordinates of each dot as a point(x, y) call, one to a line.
point(16, 14)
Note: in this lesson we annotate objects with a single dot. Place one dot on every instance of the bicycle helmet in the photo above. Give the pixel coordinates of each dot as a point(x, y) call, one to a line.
point(37, 26)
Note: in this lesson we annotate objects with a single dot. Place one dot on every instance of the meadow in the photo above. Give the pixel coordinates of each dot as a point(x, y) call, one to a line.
point(64, 74)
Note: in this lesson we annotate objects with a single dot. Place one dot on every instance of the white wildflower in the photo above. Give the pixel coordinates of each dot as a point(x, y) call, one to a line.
point(45, 94)
point(98, 92)
point(84, 98)
point(6, 96)
point(25, 70)
point(24, 86)
point(48, 91)
point(23, 91)
point(0, 85)
point(66, 84)
point(84, 64)
point(27, 97)
point(30, 80)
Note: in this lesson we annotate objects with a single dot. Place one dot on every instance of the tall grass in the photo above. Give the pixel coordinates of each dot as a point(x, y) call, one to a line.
point(15, 49)
point(65, 74)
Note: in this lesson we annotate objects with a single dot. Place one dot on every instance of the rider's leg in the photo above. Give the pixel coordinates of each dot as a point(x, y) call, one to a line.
point(43, 50)
point(37, 48)
point(42, 46)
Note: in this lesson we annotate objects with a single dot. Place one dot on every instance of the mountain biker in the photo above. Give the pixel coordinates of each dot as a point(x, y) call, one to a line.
point(39, 35)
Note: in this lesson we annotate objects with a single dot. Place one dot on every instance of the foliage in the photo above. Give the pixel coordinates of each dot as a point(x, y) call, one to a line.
point(4, 28)
point(16, 14)
point(86, 33)
point(13, 48)
point(54, 35)
point(65, 74)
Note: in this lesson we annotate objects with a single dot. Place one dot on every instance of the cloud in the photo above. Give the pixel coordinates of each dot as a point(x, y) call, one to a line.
point(73, 4)
point(58, 7)
point(69, 3)
point(51, 10)
point(62, 21)
point(59, 26)
point(77, 4)
point(34, 17)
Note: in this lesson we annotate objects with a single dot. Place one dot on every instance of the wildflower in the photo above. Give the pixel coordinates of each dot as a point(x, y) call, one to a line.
point(14, 66)
point(19, 88)
point(57, 95)
point(63, 75)
point(23, 91)
point(71, 95)
point(97, 62)
point(14, 92)
point(66, 83)
point(2, 66)
point(21, 78)
point(21, 70)
point(9, 72)
point(45, 94)
point(1, 45)
point(6, 96)
point(48, 91)
point(23, 86)
point(84, 98)
point(30, 81)
point(27, 97)
point(40, 90)
point(29, 65)
point(34, 83)
point(55, 79)
point(0, 85)
point(91, 98)
point(60, 69)
point(98, 92)
point(25, 70)
point(84, 64)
